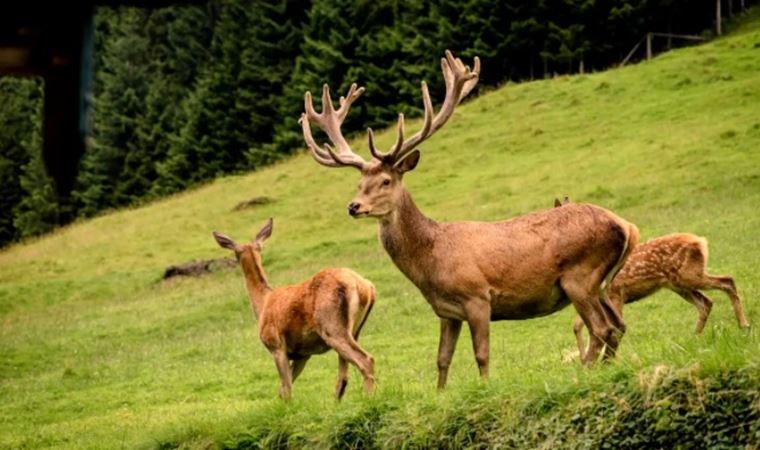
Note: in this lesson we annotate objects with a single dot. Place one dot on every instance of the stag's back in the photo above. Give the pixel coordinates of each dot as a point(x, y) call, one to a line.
point(544, 244)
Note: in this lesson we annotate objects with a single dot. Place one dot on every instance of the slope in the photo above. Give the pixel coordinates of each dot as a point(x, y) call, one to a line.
point(98, 352)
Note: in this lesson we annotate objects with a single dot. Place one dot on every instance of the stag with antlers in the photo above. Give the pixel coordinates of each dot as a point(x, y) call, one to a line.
point(476, 272)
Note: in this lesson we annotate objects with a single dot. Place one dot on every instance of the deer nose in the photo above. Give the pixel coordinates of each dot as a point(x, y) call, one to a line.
point(353, 208)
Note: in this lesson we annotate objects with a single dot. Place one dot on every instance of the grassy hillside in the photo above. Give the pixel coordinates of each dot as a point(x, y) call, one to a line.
point(97, 352)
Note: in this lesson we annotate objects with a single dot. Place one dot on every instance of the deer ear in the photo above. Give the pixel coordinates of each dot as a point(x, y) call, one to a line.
point(557, 203)
point(224, 241)
point(408, 163)
point(265, 232)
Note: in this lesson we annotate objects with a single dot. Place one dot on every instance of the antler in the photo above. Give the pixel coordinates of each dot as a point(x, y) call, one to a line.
point(330, 120)
point(460, 80)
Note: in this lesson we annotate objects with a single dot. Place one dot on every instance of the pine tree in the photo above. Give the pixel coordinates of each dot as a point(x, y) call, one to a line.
point(21, 99)
point(120, 100)
point(176, 40)
point(232, 112)
point(37, 212)
point(325, 57)
point(270, 61)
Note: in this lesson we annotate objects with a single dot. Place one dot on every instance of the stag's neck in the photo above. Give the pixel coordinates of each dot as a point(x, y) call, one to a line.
point(256, 283)
point(408, 237)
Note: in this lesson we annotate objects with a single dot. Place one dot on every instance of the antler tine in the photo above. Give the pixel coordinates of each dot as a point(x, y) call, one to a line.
point(308, 106)
point(327, 105)
point(308, 137)
point(459, 80)
point(456, 75)
point(399, 134)
point(472, 82)
point(427, 123)
point(354, 92)
point(330, 120)
point(372, 148)
point(318, 155)
point(359, 164)
point(396, 146)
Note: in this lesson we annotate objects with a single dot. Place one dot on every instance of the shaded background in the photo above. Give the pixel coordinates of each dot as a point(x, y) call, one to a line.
point(181, 94)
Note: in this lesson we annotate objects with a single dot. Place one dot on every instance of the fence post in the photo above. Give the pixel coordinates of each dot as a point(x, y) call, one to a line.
point(649, 46)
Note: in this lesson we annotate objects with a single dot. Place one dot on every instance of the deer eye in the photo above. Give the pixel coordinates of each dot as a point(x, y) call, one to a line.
point(386, 182)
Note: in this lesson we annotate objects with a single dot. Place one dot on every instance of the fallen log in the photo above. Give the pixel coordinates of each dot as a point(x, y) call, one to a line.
point(199, 268)
point(254, 201)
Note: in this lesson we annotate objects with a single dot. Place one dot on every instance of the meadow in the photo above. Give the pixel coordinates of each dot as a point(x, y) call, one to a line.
point(98, 352)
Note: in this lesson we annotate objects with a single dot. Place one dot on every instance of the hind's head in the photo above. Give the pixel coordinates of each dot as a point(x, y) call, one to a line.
point(247, 250)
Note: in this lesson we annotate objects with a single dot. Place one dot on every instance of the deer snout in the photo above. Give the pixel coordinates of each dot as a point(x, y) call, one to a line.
point(353, 208)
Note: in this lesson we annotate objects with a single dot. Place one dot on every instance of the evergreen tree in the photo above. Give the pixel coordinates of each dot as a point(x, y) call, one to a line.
point(21, 99)
point(120, 100)
point(186, 93)
point(326, 55)
point(232, 113)
point(176, 40)
point(37, 212)
point(270, 61)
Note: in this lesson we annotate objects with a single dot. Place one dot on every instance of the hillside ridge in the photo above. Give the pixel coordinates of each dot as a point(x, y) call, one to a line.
point(99, 352)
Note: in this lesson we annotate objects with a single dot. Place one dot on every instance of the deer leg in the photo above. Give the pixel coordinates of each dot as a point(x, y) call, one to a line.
point(297, 367)
point(600, 332)
point(727, 285)
point(701, 302)
point(369, 362)
point(283, 367)
point(479, 319)
point(614, 318)
point(340, 387)
point(578, 330)
point(704, 306)
point(587, 302)
point(349, 350)
point(450, 329)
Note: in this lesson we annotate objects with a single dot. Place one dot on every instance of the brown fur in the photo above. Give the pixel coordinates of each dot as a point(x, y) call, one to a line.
point(677, 262)
point(308, 318)
point(530, 266)
point(476, 272)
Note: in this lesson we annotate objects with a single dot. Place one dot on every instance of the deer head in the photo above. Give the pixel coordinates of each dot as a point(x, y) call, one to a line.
point(381, 187)
point(248, 249)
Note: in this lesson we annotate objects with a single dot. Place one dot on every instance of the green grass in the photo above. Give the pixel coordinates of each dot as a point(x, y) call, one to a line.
point(97, 352)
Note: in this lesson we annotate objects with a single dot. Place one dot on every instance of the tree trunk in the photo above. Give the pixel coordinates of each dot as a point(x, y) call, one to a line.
point(531, 66)
point(718, 29)
point(670, 31)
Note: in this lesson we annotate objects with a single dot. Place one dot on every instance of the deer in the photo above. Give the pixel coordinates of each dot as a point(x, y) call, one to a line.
point(477, 272)
point(295, 322)
point(677, 262)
